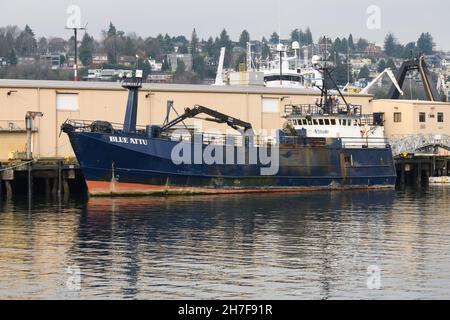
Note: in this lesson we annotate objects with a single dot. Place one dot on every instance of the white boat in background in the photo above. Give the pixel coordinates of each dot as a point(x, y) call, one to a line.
point(291, 72)
point(283, 72)
point(440, 180)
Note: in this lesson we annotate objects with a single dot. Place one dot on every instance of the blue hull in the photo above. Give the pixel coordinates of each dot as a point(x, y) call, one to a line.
point(145, 167)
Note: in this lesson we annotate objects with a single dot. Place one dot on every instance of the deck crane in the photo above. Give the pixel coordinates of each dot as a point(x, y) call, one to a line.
point(419, 65)
point(391, 76)
point(215, 116)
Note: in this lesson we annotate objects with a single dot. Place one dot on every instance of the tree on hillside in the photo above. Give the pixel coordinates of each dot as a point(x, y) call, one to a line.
point(244, 39)
point(363, 44)
point(181, 67)
point(194, 42)
point(351, 43)
point(390, 45)
point(12, 57)
point(26, 43)
point(295, 35)
point(42, 45)
point(209, 47)
point(308, 37)
point(426, 43)
point(112, 31)
point(224, 41)
point(274, 38)
point(364, 73)
point(86, 49)
point(381, 65)
point(199, 65)
point(391, 64)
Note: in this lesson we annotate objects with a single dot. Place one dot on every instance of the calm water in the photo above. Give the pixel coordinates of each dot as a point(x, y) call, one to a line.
point(297, 246)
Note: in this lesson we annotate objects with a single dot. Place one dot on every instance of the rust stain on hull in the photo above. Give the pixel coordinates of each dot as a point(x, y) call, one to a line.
point(108, 189)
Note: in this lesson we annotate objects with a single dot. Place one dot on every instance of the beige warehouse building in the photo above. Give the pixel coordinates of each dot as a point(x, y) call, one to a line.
point(263, 107)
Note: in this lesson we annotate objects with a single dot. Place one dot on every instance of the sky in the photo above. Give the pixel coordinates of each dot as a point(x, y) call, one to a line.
point(407, 19)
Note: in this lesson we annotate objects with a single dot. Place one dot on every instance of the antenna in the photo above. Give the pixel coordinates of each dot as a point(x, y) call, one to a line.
point(75, 66)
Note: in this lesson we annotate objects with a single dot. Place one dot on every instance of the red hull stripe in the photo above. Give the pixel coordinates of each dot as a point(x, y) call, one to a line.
point(104, 188)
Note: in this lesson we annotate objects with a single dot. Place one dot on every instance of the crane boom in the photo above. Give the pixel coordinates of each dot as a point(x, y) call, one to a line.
point(219, 75)
point(217, 117)
point(387, 72)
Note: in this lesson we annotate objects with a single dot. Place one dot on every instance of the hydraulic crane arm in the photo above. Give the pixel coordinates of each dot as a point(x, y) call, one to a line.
point(216, 117)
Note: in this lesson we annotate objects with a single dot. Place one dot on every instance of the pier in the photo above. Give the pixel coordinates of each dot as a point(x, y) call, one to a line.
point(57, 177)
point(419, 157)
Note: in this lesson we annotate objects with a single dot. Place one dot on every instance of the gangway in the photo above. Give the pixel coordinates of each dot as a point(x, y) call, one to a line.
point(416, 143)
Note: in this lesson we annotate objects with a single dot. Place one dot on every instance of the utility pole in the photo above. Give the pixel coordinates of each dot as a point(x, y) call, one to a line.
point(75, 66)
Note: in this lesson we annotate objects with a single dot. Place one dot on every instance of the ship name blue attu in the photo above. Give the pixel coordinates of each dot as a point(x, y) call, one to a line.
point(127, 140)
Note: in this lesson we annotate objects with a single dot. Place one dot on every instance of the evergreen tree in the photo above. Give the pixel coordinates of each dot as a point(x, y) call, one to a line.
point(381, 65)
point(12, 57)
point(209, 47)
point(390, 45)
point(181, 67)
point(42, 45)
point(112, 31)
point(274, 38)
point(295, 35)
point(86, 49)
point(224, 41)
point(244, 39)
point(165, 66)
point(351, 43)
point(391, 64)
point(363, 44)
point(194, 42)
point(308, 37)
point(426, 44)
point(145, 66)
point(26, 43)
point(199, 66)
point(364, 73)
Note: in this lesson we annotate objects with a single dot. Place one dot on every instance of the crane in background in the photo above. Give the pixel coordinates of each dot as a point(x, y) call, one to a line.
point(219, 75)
point(391, 76)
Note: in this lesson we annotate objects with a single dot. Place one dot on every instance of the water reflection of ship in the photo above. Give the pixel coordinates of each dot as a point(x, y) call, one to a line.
point(178, 228)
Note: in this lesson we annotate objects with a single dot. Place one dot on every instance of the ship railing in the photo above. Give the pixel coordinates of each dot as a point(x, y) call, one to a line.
point(303, 110)
point(222, 139)
point(365, 142)
point(87, 125)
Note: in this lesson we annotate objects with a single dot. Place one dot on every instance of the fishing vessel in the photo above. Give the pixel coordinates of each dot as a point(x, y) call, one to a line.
point(330, 145)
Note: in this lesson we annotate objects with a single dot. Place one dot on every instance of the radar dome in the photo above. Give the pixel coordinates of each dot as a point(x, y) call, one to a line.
point(315, 60)
point(280, 47)
point(295, 45)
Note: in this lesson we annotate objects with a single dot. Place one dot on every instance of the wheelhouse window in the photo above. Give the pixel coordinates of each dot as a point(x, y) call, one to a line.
point(321, 122)
point(397, 117)
point(333, 122)
point(327, 122)
point(440, 117)
point(422, 117)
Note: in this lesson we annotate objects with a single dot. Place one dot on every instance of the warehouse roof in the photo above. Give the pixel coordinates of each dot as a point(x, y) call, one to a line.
point(82, 85)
